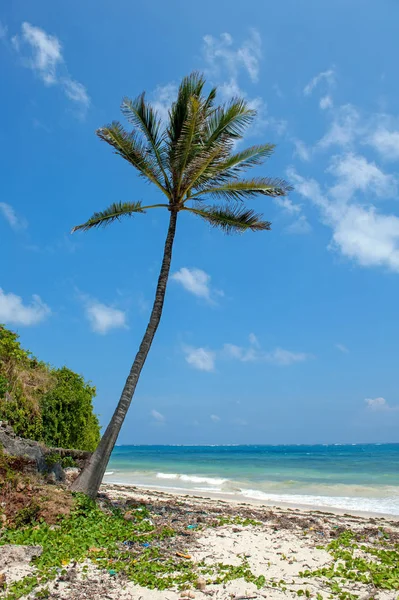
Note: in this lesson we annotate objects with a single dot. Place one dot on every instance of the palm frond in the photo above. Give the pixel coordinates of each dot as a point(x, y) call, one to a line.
point(217, 166)
point(131, 148)
point(231, 219)
point(110, 214)
point(241, 161)
point(143, 116)
point(202, 168)
point(190, 133)
point(192, 85)
point(211, 97)
point(244, 188)
point(230, 121)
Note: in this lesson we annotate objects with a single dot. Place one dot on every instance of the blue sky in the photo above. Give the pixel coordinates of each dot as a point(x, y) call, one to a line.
point(288, 336)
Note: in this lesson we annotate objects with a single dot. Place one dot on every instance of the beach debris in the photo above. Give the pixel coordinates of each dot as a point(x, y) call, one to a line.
point(200, 584)
point(112, 572)
point(194, 526)
point(187, 594)
point(146, 545)
point(2, 580)
point(183, 555)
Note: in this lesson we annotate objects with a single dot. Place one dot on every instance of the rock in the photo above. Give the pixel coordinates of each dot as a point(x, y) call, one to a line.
point(71, 474)
point(128, 516)
point(20, 487)
point(200, 584)
point(187, 594)
point(51, 478)
point(10, 554)
point(14, 445)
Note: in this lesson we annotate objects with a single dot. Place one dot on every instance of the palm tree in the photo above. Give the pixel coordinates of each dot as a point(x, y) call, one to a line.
point(190, 158)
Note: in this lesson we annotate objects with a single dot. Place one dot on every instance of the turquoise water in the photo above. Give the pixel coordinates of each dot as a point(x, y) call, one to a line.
point(356, 477)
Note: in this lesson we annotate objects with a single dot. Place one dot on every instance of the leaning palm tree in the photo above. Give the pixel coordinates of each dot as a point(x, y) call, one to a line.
point(190, 159)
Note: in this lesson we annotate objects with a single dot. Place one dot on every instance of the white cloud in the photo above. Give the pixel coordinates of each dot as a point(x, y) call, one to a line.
point(42, 53)
point(301, 150)
point(14, 312)
point(103, 318)
point(196, 282)
point(327, 76)
point(370, 238)
point(342, 348)
point(344, 128)
point(283, 357)
point(220, 53)
point(379, 404)
point(76, 91)
point(46, 51)
point(287, 205)
point(163, 97)
point(359, 232)
point(214, 418)
point(11, 217)
point(300, 226)
point(356, 173)
point(386, 143)
point(157, 416)
point(326, 102)
point(253, 340)
point(254, 353)
point(200, 358)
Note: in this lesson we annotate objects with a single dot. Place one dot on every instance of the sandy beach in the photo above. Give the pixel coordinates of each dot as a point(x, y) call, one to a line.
point(237, 551)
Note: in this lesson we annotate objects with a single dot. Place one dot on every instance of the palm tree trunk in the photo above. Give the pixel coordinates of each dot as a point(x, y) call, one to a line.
point(90, 478)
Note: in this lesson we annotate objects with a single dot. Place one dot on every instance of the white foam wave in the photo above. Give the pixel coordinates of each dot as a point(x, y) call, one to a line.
point(388, 506)
point(215, 481)
point(109, 473)
point(167, 475)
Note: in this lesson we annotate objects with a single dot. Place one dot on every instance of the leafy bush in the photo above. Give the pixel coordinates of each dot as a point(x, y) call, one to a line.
point(68, 461)
point(67, 413)
point(42, 403)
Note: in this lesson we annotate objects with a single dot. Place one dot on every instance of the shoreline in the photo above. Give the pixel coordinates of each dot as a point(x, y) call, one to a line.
point(219, 497)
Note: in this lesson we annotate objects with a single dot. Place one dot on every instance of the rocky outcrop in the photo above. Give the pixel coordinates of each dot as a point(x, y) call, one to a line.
point(14, 445)
point(17, 446)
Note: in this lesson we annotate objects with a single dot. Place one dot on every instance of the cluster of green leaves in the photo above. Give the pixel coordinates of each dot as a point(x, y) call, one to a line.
point(355, 562)
point(226, 573)
point(67, 413)
point(45, 404)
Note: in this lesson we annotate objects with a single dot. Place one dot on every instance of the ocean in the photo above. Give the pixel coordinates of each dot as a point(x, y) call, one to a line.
point(349, 477)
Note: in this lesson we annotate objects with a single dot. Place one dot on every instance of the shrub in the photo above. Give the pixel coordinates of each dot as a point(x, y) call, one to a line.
point(54, 406)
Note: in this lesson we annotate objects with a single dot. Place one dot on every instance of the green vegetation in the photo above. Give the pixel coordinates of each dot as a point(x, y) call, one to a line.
point(356, 562)
point(91, 533)
point(45, 404)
